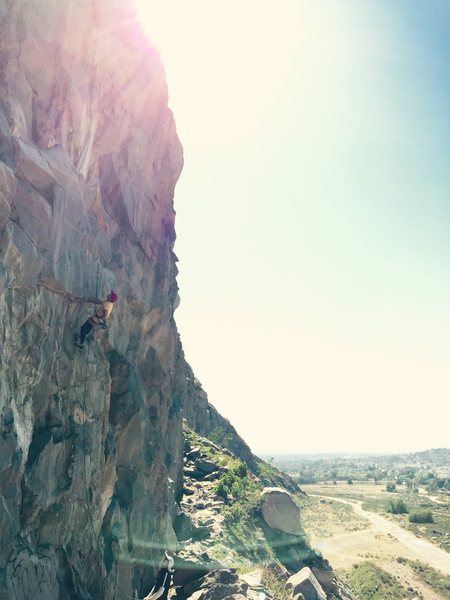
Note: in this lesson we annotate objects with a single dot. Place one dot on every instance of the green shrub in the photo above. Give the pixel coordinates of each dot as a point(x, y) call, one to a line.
point(369, 582)
point(234, 483)
point(266, 471)
point(221, 489)
point(390, 487)
point(220, 438)
point(242, 512)
point(421, 516)
point(397, 507)
point(244, 500)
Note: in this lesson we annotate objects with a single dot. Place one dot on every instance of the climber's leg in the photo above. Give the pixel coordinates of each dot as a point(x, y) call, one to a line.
point(86, 328)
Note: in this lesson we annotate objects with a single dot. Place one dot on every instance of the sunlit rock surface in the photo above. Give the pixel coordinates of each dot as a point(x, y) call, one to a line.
point(91, 445)
point(280, 511)
point(91, 468)
point(305, 586)
point(91, 440)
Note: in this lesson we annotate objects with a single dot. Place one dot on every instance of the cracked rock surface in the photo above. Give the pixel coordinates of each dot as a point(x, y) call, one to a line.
point(92, 488)
point(90, 440)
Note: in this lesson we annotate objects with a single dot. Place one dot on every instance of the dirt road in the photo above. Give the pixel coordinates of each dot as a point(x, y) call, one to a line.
point(384, 539)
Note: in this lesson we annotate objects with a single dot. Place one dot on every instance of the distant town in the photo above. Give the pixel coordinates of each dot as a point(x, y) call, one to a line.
point(428, 468)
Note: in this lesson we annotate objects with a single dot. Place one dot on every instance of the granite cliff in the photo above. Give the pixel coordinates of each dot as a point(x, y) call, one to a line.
point(91, 447)
point(91, 442)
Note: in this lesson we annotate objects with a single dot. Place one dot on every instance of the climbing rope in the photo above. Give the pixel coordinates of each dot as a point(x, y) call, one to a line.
point(91, 520)
point(98, 280)
point(71, 299)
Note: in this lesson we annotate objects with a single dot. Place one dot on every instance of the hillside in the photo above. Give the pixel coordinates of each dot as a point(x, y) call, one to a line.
point(228, 519)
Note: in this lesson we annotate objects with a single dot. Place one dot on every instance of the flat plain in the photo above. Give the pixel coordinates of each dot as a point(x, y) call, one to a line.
point(349, 524)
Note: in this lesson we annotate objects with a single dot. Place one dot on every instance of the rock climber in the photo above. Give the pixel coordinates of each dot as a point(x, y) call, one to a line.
point(98, 318)
point(163, 579)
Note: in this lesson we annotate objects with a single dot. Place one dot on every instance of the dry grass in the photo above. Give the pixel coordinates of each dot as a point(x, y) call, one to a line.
point(375, 498)
point(323, 518)
point(346, 538)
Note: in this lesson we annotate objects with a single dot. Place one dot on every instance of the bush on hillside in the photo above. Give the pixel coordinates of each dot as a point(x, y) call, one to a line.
point(236, 484)
point(421, 516)
point(220, 437)
point(243, 494)
point(397, 507)
point(369, 582)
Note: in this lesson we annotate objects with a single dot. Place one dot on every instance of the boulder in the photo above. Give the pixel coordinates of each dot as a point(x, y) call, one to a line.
point(202, 532)
point(217, 585)
point(280, 511)
point(257, 595)
point(253, 578)
point(193, 473)
point(205, 466)
point(193, 454)
point(210, 444)
point(305, 583)
point(323, 573)
point(218, 500)
point(183, 526)
point(212, 476)
point(188, 569)
point(325, 576)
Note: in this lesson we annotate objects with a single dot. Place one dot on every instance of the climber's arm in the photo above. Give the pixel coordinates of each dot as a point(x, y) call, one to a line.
point(90, 300)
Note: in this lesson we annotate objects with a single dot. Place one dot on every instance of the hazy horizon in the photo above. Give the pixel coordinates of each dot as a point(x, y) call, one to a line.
point(349, 453)
point(313, 216)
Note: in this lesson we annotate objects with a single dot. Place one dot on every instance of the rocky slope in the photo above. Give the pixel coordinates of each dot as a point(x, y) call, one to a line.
point(203, 418)
point(91, 445)
point(229, 521)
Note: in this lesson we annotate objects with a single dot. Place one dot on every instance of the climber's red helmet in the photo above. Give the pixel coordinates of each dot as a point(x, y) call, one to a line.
point(112, 296)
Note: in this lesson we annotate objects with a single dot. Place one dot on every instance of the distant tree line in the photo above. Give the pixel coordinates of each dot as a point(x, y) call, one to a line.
point(334, 470)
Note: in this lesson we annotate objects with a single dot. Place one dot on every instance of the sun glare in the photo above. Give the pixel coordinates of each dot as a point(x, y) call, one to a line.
point(225, 63)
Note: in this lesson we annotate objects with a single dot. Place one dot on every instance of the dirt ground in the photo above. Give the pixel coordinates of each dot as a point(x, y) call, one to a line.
point(347, 535)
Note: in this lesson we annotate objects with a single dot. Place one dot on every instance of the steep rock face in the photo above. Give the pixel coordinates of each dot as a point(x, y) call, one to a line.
point(90, 441)
point(203, 418)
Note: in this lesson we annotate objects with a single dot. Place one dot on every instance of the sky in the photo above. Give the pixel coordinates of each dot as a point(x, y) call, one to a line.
point(313, 216)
